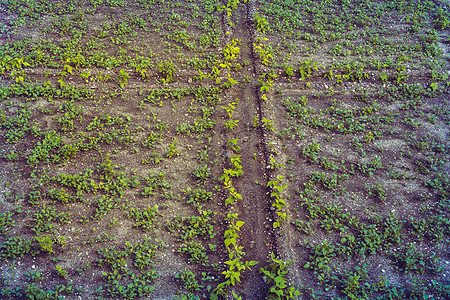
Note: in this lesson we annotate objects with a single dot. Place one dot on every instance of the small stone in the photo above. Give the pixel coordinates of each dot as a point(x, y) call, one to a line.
point(33, 266)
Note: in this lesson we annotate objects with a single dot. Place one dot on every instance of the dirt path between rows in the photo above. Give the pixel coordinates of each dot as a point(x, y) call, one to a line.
point(257, 236)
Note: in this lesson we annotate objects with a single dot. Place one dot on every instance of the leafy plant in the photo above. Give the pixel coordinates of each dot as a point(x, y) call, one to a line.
point(261, 23)
point(196, 251)
point(236, 266)
point(231, 124)
point(230, 52)
point(187, 228)
point(144, 218)
point(173, 151)
point(306, 68)
point(123, 78)
point(275, 273)
point(198, 196)
point(278, 203)
point(16, 247)
point(34, 276)
point(61, 272)
point(377, 191)
point(6, 222)
point(188, 280)
point(202, 174)
point(46, 243)
point(233, 145)
point(303, 226)
point(167, 69)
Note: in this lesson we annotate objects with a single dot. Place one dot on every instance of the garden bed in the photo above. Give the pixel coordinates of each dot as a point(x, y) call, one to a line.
point(195, 150)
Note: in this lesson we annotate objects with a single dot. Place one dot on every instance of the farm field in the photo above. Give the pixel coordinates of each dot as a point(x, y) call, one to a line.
point(276, 149)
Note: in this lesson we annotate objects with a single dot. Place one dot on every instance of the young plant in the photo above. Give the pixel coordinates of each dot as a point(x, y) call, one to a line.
point(188, 280)
point(278, 203)
point(167, 69)
point(173, 151)
point(123, 78)
point(274, 274)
